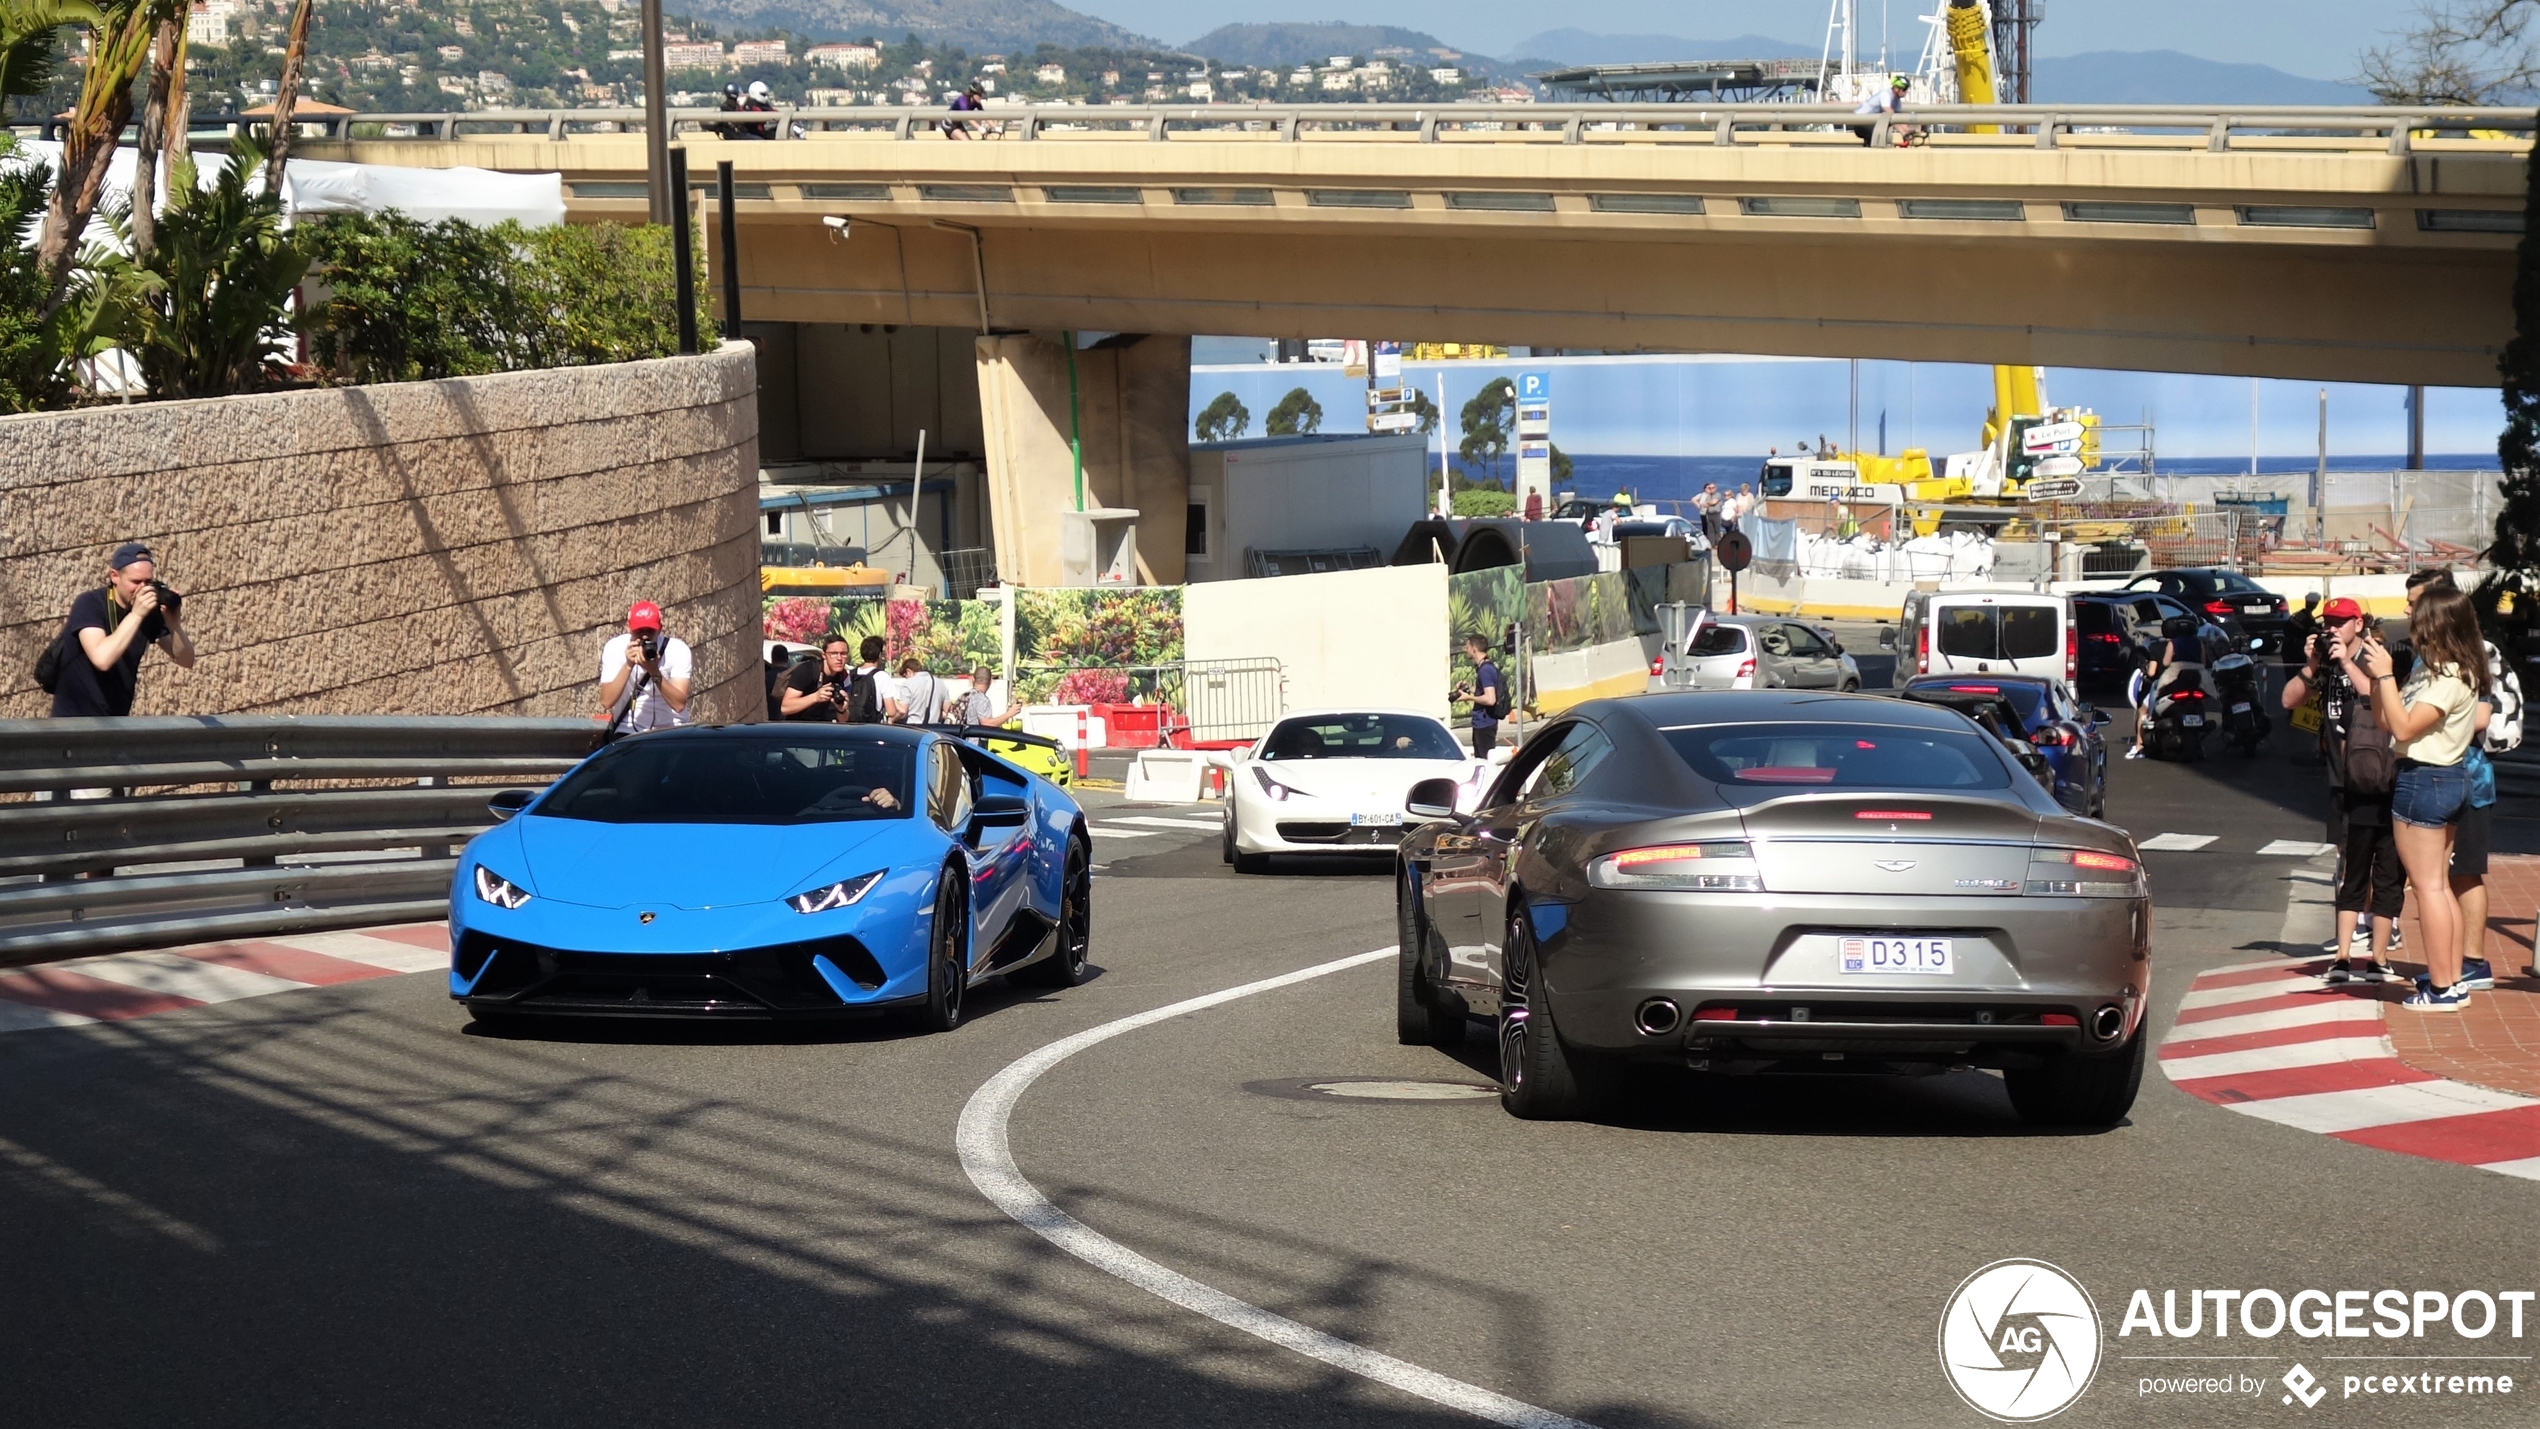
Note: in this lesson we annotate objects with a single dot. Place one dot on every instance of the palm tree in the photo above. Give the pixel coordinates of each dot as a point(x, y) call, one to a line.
point(29, 30)
point(121, 36)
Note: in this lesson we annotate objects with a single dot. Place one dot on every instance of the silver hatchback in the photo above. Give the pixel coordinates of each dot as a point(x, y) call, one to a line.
point(1758, 652)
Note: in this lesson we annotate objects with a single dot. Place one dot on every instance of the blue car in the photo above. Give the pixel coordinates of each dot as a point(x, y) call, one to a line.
point(772, 871)
point(2040, 717)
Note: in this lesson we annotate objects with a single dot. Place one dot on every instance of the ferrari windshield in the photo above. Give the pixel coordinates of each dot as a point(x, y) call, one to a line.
point(1361, 736)
point(746, 780)
point(1840, 756)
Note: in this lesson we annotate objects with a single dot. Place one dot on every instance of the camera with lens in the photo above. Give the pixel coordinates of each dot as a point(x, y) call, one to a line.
point(651, 641)
point(169, 600)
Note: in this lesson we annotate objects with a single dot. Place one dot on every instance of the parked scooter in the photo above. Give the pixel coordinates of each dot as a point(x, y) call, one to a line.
point(2242, 700)
point(2186, 707)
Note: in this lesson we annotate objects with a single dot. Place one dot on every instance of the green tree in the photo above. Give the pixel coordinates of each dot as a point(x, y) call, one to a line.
point(1489, 420)
point(199, 313)
point(409, 301)
point(1222, 420)
point(2517, 546)
point(1562, 466)
point(1425, 410)
point(33, 375)
point(1297, 415)
point(30, 36)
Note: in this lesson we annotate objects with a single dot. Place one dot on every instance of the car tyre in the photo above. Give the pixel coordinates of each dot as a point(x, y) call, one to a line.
point(1066, 967)
point(1226, 837)
point(1852, 687)
point(947, 960)
point(1540, 1079)
point(1243, 862)
point(1420, 1017)
point(2078, 1091)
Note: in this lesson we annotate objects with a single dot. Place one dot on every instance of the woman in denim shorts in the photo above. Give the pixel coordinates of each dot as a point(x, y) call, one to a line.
point(2432, 722)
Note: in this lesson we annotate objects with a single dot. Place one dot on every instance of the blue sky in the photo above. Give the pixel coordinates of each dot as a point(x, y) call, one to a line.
point(1715, 406)
point(2317, 38)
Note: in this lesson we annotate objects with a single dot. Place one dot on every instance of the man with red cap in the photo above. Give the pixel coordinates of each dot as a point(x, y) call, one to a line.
point(2371, 886)
point(644, 676)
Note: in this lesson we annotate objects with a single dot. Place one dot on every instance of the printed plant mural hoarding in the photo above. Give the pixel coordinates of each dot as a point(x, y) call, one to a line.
point(1095, 646)
point(1564, 615)
point(1483, 603)
point(1071, 646)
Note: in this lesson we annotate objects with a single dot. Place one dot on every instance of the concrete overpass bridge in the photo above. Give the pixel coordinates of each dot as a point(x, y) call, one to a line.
point(2348, 244)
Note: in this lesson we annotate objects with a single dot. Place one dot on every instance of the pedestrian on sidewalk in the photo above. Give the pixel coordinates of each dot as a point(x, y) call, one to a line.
point(2432, 722)
point(919, 698)
point(2371, 885)
point(645, 676)
point(1488, 695)
point(2499, 728)
point(96, 658)
point(980, 705)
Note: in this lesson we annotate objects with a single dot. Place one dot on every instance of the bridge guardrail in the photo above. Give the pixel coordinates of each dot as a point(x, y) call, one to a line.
point(2370, 128)
point(128, 833)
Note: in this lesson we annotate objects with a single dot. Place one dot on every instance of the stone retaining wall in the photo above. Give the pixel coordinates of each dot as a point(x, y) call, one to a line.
point(454, 547)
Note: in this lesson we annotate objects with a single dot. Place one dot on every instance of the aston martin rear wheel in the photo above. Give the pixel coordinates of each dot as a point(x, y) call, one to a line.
point(947, 963)
point(1539, 1078)
point(2078, 1091)
point(1066, 967)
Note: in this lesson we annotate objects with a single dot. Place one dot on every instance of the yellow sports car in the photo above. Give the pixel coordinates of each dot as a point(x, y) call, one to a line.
point(1034, 754)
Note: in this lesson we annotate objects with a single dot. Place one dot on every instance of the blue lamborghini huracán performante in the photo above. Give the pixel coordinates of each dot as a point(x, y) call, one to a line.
point(774, 871)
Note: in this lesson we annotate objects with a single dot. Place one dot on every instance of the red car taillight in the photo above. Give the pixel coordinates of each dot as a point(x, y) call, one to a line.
point(2072, 655)
point(2108, 638)
point(2054, 735)
point(2218, 607)
point(1746, 669)
point(1658, 667)
point(1922, 651)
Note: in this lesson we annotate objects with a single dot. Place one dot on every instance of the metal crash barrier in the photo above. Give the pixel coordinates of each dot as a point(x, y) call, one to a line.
point(130, 833)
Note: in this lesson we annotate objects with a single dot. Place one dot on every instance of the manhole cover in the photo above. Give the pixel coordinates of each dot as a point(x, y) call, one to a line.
point(1373, 1089)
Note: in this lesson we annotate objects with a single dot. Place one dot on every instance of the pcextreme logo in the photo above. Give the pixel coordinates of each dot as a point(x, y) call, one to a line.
point(2019, 1341)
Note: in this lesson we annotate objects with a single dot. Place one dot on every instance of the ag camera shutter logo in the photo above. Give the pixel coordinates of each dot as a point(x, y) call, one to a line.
point(2020, 1341)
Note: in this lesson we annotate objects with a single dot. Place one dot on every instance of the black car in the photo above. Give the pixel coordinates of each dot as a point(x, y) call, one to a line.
point(2248, 610)
point(2115, 628)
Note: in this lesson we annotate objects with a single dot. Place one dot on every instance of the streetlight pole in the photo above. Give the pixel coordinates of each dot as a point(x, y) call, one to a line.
point(656, 121)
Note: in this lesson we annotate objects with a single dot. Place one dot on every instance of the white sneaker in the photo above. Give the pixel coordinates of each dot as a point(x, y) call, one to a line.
point(2134, 751)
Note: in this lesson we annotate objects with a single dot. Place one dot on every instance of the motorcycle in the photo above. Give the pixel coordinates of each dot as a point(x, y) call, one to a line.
point(2240, 697)
point(2184, 711)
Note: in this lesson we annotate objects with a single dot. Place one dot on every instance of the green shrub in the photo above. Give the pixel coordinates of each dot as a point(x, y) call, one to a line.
point(409, 301)
point(1485, 501)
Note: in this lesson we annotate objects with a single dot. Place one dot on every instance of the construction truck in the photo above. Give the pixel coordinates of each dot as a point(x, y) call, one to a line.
point(2034, 453)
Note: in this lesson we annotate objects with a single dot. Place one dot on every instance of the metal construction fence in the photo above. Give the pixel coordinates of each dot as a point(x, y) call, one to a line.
point(2200, 127)
point(129, 833)
point(1192, 701)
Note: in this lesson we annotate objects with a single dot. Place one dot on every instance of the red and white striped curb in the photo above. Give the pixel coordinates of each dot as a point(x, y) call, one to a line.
point(2270, 1040)
point(114, 986)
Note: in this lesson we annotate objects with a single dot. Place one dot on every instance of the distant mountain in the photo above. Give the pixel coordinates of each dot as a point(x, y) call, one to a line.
point(978, 25)
point(1582, 47)
point(2168, 77)
point(1291, 42)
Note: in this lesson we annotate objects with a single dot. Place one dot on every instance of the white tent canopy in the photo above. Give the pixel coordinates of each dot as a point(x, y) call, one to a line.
point(479, 196)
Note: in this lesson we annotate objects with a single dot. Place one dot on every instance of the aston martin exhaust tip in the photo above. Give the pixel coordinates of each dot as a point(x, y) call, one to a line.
point(2107, 1022)
point(1658, 1017)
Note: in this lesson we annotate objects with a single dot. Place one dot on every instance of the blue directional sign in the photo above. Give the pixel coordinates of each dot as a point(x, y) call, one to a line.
point(1534, 386)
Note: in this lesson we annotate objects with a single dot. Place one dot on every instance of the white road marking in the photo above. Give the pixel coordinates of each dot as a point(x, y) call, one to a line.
point(2297, 848)
point(2379, 1106)
point(2276, 1059)
point(1148, 821)
point(1107, 831)
point(2528, 1167)
point(363, 948)
point(985, 1156)
point(2250, 991)
point(2331, 1009)
point(182, 976)
point(2175, 843)
point(18, 1017)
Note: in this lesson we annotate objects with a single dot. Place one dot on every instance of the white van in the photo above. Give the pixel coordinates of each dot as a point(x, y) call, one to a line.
point(1986, 632)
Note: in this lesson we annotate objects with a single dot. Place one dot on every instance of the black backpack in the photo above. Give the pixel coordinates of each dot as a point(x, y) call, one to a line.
point(864, 699)
point(48, 666)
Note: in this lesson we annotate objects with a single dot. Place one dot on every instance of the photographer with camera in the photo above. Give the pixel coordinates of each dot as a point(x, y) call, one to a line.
point(93, 667)
point(818, 690)
point(644, 676)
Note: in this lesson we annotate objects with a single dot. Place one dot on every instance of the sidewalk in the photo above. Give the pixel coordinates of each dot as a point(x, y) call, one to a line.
point(2495, 1041)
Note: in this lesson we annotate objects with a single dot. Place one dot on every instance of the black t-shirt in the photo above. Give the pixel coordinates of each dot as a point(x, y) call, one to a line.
point(83, 688)
point(808, 676)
